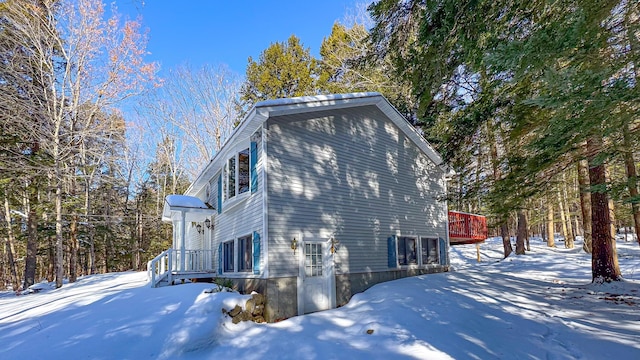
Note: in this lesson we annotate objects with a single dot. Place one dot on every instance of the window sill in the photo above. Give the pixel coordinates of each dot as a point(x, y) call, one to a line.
point(416, 266)
point(235, 201)
point(241, 275)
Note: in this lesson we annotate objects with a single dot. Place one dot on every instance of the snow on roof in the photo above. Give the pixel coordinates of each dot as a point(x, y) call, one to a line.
point(315, 98)
point(192, 208)
point(185, 201)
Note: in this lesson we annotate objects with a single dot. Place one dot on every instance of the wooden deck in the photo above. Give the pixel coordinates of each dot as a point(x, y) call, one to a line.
point(466, 228)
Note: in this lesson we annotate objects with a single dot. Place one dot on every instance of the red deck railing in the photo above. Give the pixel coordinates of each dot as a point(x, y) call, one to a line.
point(466, 228)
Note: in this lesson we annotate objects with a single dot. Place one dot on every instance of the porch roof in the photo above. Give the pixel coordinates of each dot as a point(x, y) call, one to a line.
point(193, 208)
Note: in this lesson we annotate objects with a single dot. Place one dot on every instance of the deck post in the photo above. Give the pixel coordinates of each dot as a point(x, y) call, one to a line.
point(183, 231)
point(153, 274)
point(170, 265)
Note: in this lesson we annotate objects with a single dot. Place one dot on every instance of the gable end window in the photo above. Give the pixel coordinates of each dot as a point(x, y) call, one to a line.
point(231, 177)
point(240, 173)
point(243, 171)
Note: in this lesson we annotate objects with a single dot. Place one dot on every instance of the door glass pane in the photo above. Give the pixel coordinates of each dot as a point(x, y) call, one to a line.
point(313, 260)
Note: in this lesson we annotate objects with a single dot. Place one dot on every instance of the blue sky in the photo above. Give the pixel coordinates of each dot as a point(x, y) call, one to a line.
point(227, 32)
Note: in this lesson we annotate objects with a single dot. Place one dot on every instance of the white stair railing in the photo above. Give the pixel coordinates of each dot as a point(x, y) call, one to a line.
point(160, 267)
point(167, 264)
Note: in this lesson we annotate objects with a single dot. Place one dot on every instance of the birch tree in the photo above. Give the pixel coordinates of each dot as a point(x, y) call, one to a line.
point(196, 109)
point(85, 64)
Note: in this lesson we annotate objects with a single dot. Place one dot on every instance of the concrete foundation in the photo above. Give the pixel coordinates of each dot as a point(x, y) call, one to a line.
point(281, 294)
point(348, 285)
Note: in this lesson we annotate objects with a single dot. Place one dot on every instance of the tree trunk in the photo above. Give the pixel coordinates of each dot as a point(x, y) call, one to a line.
point(4, 278)
point(506, 240)
point(543, 225)
point(522, 233)
point(73, 249)
point(569, 238)
point(134, 239)
point(32, 243)
point(563, 220)
point(107, 246)
point(92, 251)
point(585, 204)
point(604, 260)
point(632, 183)
point(51, 264)
point(9, 247)
point(59, 264)
point(550, 227)
point(497, 174)
point(530, 230)
point(631, 23)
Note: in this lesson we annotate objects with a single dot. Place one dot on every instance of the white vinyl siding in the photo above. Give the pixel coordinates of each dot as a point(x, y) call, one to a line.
point(242, 215)
point(349, 173)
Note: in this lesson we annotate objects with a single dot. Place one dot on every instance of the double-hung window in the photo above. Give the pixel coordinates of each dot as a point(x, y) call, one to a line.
point(237, 178)
point(227, 249)
point(231, 177)
point(243, 171)
point(237, 255)
point(245, 253)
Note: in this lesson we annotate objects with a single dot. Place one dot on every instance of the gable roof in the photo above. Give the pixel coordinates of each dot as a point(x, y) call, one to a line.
point(263, 110)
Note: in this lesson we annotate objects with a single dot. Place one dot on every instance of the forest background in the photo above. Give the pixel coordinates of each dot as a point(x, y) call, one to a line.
point(533, 106)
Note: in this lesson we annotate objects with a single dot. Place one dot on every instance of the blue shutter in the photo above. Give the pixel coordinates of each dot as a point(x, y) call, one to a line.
point(391, 247)
point(220, 194)
point(252, 167)
point(220, 258)
point(256, 252)
point(443, 251)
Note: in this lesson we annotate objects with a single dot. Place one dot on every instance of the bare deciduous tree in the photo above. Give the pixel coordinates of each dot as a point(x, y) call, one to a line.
point(84, 64)
point(195, 108)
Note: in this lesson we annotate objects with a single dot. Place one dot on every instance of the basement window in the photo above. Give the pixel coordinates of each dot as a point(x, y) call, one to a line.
point(429, 250)
point(407, 250)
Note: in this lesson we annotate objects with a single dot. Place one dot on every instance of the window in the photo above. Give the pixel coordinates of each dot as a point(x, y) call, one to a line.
point(407, 250)
point(245, 253)
point(243, 171)
point(224, 183)
point(231, 176)
point(429, 250)
point(237, 174)
point(228, 256)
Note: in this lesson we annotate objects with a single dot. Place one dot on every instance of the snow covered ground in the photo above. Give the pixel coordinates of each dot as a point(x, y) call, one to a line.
point(537, 306)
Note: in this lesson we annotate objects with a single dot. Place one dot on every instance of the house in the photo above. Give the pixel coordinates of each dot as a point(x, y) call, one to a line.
point(312, 200)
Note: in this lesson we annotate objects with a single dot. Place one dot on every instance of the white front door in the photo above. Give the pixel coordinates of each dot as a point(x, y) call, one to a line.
point(317, 275)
